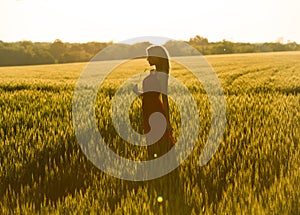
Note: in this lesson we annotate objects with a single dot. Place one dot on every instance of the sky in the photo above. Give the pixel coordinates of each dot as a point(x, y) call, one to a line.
point(252, 21)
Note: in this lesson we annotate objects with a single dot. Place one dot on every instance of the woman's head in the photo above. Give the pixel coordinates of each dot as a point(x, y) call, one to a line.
point(158, 56)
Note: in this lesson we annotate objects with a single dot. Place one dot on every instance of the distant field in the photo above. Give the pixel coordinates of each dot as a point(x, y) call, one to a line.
point(278, 70)
point(256, 169)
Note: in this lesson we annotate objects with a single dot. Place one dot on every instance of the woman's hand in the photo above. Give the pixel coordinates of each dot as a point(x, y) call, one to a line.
point(135, 90)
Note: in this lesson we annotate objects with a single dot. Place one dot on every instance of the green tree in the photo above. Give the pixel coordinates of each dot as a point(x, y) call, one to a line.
point(198, 40)
point(57, 49)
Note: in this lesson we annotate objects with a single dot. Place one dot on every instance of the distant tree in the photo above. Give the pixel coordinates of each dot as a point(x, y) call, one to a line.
point(26, 44)
point(75, 56)
point(293, 46)
point(42, 56)
point(76, 47)
point(57, 50)
point(224, 47)
point(114, 52)
point(180, 48)
point(92, 48)
point(198, 40)
point(138, 49)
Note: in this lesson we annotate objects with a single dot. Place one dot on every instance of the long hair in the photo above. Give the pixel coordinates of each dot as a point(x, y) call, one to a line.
point(162, 55)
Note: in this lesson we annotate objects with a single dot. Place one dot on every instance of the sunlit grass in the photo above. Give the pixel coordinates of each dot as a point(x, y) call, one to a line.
point(256, 169)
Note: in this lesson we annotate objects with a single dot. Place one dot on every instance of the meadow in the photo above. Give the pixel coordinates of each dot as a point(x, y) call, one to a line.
point(256, 169)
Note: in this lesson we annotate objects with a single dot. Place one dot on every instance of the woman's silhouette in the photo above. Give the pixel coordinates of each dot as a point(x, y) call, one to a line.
point(155, 101)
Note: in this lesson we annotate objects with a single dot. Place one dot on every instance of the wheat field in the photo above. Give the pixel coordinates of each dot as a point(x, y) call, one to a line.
point(256, 169)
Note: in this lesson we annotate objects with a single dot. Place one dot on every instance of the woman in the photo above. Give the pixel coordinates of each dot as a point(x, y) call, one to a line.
point(154, 101)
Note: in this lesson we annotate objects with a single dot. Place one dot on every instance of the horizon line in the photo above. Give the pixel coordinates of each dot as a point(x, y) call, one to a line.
point(125, 41)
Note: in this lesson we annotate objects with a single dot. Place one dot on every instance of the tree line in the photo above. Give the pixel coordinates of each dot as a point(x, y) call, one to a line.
point(31, 53)
point(227, 47)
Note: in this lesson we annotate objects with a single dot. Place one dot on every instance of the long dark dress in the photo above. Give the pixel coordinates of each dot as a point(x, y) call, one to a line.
point(151, 103)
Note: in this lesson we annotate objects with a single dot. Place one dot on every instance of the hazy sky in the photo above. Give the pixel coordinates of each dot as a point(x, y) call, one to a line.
point(112, 20)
